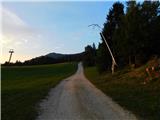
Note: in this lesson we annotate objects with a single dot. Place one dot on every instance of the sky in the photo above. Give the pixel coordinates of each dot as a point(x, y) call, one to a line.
point(37, 28)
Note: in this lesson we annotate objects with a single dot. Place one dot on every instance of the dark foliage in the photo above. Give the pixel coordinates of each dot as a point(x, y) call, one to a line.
point(133, 35)
point(89, 55)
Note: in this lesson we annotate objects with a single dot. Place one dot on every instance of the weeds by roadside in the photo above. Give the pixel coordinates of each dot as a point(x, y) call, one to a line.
point(126, 88)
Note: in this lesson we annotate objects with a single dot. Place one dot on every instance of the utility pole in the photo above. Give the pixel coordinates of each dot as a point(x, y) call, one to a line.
point(11, 51)
point(102, 36)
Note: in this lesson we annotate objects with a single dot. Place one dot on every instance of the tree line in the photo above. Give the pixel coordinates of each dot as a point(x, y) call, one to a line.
point(132, 34)
point(41, 60)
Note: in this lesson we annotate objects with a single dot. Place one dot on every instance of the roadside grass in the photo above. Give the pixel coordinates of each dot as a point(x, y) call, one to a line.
point(22, 88)
point(127, 89)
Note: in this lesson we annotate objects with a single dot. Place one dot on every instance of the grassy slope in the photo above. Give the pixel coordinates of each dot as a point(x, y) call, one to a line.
point(126, 88)
point(23, 87)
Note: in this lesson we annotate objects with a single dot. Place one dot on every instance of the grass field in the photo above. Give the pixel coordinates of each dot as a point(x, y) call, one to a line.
point(126, 88)
point(22, 88)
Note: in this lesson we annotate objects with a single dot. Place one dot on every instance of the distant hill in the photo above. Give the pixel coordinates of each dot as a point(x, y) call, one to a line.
point(51, 58)
point(55, 55)
point(63, 56)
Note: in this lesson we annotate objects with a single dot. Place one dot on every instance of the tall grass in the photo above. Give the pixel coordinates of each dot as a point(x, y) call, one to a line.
point(129, 91)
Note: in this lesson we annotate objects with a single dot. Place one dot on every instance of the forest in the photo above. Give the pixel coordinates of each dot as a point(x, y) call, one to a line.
point(132, 32)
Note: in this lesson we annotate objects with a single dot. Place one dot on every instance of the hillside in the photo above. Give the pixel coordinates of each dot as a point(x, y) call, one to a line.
point(51, 58)
point(76, 56)
point(55, 55)
point(133, 89)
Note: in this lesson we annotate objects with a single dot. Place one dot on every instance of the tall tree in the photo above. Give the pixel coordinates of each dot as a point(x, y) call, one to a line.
point(103, 59)
point(112, 23)
point(89, 56)
point(133, 36)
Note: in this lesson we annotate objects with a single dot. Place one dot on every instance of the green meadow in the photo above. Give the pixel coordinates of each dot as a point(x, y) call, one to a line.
point(23, 87)
point(127, 89)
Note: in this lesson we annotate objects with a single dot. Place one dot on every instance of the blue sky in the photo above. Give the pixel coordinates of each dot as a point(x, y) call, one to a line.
point(38, 28)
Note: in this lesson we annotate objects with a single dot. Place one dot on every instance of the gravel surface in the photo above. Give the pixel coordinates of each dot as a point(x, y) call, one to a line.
point(75, 98)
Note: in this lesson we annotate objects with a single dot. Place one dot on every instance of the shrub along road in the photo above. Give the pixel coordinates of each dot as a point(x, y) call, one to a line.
point(75, 98)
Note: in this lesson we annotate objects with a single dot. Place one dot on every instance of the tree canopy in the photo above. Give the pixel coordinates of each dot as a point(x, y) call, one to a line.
point(133, 35)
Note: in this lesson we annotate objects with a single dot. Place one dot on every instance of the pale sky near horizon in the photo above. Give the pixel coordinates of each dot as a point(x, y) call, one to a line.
point(37, 28)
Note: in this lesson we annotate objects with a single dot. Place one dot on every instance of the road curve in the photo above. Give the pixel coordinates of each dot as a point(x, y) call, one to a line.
point(75, 98)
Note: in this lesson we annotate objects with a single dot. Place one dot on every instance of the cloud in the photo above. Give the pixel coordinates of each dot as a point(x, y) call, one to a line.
point(10, 19)
point(18, 35)
point(14, 29)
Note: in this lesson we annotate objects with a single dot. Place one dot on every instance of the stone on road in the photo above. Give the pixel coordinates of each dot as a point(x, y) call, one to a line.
point(75, 98)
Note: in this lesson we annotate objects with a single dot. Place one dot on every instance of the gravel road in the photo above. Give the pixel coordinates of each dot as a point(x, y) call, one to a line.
point(75, 98)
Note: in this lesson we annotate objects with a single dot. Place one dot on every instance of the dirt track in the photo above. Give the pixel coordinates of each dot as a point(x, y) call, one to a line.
point(75, 98)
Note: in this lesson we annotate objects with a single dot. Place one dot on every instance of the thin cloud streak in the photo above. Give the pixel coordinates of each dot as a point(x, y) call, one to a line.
point(16, 34)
